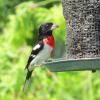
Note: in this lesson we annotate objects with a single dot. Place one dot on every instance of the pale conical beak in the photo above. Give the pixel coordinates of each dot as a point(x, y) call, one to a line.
point(54, 26)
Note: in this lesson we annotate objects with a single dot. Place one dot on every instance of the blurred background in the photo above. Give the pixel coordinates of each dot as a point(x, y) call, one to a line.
point(19, 22)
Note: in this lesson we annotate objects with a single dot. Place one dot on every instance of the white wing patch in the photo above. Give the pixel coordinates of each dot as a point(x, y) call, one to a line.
point(36, 47)
point(33, 55)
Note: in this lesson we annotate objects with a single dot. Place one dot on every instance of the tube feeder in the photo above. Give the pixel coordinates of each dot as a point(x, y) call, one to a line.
point(82, 37)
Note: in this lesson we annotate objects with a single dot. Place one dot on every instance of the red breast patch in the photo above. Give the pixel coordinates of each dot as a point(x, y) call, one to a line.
point(50, 41)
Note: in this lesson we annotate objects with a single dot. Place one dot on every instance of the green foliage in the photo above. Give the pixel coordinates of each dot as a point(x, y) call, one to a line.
point(16, 41)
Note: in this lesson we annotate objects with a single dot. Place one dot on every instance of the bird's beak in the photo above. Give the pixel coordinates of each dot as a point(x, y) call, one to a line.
point(54, 26)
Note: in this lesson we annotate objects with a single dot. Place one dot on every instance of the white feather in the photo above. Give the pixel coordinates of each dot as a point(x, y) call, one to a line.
point(33, 55)
point(36, 47)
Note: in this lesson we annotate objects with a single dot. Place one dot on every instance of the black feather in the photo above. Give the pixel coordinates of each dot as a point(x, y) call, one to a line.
point(34, 52)
point(29, 73)
point(45, 30)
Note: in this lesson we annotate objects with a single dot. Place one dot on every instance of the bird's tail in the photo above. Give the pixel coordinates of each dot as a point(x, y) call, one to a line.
point(28, 77)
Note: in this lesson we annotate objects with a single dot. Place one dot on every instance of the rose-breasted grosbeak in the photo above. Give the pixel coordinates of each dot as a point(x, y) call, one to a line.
point(41, 51)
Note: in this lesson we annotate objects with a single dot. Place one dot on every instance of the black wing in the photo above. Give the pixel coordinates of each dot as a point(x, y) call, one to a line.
point(34, 52)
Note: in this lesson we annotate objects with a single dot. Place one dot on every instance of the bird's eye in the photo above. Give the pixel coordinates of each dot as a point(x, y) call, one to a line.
point(47, 25)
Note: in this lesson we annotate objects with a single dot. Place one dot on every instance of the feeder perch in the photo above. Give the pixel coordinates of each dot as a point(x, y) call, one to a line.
point(82, 37)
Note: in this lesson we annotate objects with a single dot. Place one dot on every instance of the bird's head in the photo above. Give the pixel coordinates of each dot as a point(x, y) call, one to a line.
point(46, 30)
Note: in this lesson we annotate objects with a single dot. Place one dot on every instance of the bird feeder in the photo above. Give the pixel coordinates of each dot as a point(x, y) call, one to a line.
point(82, 37)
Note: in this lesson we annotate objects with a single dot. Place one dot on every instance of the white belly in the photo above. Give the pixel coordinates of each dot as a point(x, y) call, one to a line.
point(41, 57)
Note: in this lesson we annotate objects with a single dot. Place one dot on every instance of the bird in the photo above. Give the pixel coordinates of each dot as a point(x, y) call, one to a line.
point(41, 51)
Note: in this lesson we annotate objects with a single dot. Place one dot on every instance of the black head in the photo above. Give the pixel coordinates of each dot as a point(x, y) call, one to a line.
point(46, 29)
